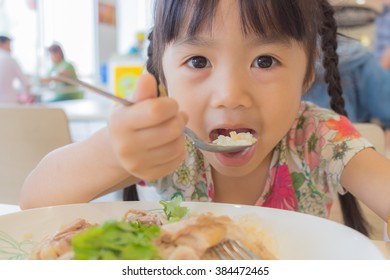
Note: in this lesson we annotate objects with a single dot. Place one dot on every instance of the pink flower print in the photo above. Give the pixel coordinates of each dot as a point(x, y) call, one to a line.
point(329, 207)
point(210, 192)
point(296, 136)
point(282, 195)
point(141, 183)
point(315, 141)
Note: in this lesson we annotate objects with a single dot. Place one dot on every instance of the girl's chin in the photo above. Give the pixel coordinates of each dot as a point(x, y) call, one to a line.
point(237, 158)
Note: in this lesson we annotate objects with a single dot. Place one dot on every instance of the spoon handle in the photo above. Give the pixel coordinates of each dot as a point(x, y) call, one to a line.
point(196, 140)
point(77, 82)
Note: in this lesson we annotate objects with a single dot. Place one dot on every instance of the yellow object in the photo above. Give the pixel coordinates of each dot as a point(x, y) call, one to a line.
point(388, 226)
point(162, 90)
point(125, 79)
point(140, 37)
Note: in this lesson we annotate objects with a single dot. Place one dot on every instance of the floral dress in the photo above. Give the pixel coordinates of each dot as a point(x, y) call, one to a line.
point(304, 174)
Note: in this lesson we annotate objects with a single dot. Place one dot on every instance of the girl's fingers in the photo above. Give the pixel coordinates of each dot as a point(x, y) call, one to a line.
point(163, 133)
point(148, 113)
point(166, 153)
point(156, 169)
point(148, 136)
point(146, 88)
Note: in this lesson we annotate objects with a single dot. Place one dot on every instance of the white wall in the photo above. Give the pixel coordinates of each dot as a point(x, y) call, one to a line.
point(133, 16)
point(20, 21)
point(72, 24)
point(107, 38)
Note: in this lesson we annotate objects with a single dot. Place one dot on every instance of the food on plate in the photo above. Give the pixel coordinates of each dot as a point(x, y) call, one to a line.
point(235, 139)
point(58, 246)
point(172, 234)
point(193, 237)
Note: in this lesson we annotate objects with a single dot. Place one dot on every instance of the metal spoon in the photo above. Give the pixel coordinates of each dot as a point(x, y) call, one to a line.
point(210, 147)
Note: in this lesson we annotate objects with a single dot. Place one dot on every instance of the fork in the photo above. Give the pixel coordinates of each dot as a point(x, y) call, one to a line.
point(233, 250)
point(210, 147)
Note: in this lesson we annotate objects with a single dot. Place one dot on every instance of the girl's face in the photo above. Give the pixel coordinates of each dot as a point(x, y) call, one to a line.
point(225, 80)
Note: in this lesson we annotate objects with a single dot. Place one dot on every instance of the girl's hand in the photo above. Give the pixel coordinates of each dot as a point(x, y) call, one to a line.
point(147, 137)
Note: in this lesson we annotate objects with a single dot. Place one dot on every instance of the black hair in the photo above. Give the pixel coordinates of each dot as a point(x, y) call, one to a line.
point(278, 18)
point(56, 48)
point(352, 214)
point(4, 39)
point(305, 21)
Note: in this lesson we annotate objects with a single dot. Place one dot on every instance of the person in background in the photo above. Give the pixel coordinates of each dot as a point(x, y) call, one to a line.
point(365, 84)
point(382, 31)
point(60, 66)
point(385, 59)
point(10, 71)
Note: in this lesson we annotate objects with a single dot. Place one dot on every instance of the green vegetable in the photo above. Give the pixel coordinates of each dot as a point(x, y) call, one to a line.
point(173, 210)
point(120, 240)
point(117, 240)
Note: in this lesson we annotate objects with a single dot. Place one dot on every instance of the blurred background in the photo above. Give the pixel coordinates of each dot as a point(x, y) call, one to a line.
point(105, 41)
point(91, 32)
point(95, 33)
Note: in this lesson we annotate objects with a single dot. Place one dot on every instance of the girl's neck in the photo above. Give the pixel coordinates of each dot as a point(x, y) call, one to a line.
point(241, 190)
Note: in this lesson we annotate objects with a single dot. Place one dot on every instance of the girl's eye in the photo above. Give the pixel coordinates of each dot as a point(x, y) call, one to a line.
point(198, 62)
point(265, 61)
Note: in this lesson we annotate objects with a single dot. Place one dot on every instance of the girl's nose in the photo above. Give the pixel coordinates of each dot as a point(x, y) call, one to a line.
point(231, 90)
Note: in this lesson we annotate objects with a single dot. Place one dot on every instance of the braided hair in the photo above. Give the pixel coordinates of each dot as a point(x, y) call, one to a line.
point(150, 66)
point(351, 211)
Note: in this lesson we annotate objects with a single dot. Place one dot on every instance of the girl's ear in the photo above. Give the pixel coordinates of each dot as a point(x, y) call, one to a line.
point(310, 81)
point(312, 77)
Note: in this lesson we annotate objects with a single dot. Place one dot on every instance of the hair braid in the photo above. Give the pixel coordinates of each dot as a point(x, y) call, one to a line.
point(150, 64)
point(328, 33)
point(352, 214)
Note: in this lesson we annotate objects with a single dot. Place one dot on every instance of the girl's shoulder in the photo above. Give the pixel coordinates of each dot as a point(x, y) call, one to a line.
point(321, 143)
point(311, 116)
point(314, 123)
point(311, 110)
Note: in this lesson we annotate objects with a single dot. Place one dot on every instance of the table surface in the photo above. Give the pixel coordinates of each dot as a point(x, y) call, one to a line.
point(383, 246)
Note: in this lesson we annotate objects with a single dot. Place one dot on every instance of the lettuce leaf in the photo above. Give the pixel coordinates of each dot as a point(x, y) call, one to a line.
point(120, 240)
point(117, 240)
point(173, 210)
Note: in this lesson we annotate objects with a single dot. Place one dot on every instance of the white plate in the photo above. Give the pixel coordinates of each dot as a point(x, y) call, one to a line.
point(292, 235)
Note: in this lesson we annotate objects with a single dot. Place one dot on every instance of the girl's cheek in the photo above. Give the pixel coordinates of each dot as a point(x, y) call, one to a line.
point(194, 76)
point(265, 77)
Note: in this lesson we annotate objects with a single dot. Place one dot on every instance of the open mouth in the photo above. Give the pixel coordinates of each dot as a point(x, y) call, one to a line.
point(235, 137)
point(226, 132)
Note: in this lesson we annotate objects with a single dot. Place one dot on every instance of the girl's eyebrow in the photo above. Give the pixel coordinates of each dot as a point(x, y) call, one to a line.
point(255, 41)
point(270, 40)
point(194, 40)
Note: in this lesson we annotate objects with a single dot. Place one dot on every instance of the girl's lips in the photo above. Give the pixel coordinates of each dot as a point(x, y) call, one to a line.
point(237, 158)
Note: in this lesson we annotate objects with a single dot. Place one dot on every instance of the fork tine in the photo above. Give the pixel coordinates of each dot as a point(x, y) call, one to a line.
point(218, 250)
point(243, 250)
point(233, 250)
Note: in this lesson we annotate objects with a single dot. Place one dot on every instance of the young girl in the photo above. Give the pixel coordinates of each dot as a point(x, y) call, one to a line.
point(228, 66)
